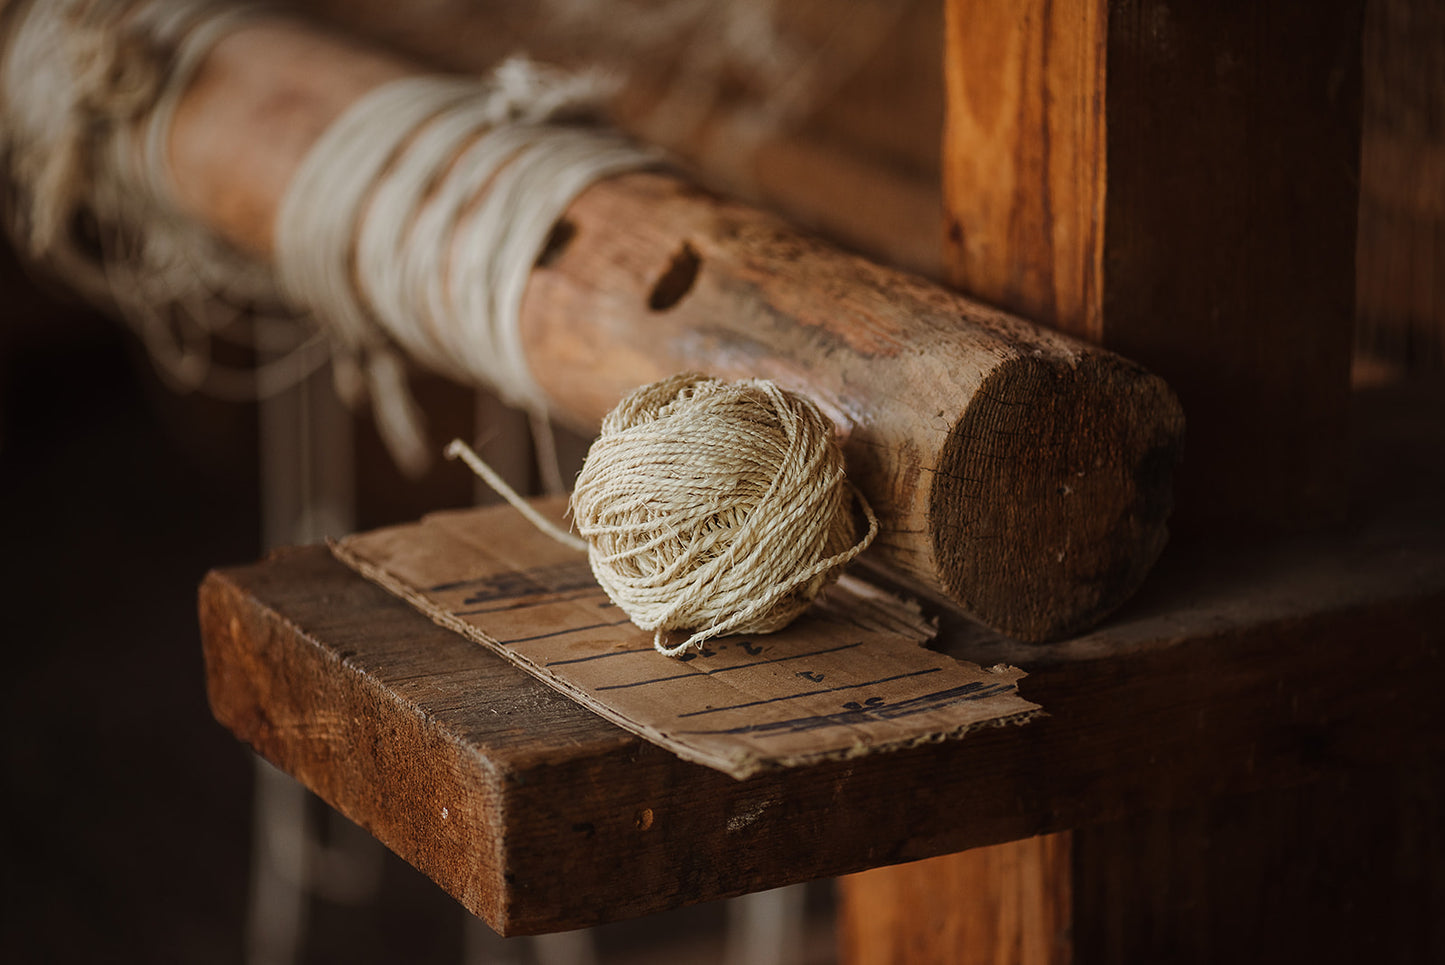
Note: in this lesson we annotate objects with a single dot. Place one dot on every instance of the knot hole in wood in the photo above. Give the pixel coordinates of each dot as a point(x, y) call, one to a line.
point(677, 280)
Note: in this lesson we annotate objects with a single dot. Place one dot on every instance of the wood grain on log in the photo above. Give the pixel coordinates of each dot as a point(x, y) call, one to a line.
point(1023, 474)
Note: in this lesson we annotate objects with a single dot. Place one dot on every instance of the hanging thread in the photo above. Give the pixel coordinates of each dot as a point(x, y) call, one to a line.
point(88, 93)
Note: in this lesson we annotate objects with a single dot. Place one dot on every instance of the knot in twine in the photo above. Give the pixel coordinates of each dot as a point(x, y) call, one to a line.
point(712, 507)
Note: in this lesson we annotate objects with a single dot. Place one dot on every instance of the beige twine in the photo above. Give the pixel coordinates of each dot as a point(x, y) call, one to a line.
point(412, 225)
point(416, 218)
point(709, 506)
point(88, 91)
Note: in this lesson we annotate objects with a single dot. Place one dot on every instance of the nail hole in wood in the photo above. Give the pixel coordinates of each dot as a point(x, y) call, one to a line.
point(676, 281)
point(557, 241)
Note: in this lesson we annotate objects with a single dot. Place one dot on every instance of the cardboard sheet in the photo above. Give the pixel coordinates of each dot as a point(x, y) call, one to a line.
point(850, 677)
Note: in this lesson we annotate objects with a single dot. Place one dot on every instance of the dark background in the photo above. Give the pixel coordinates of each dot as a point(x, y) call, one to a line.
point(128, 807)
point(128, 826)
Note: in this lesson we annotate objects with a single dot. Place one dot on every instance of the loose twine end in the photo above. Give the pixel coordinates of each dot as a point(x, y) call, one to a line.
point(456, 449)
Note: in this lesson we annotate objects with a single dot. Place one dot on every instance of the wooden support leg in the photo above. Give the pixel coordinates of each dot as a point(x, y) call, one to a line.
point(1008, 904)
point(1334, 871)
point(1340, 870)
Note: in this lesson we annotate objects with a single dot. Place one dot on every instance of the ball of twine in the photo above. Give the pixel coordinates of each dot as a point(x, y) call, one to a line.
point(716, 507)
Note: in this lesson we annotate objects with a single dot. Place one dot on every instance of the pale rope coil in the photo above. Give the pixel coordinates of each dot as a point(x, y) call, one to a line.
point(90, 89)
point(710, 562)
point(709, 506)
point(418, 215)
point(87, 133)
point(315, 226)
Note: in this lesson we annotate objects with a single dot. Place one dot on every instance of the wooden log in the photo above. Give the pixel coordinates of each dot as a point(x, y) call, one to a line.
point(1023, 474)
point(868, 132)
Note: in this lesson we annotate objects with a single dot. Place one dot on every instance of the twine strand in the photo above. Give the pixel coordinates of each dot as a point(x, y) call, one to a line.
point(456, 449)
point(415, 221)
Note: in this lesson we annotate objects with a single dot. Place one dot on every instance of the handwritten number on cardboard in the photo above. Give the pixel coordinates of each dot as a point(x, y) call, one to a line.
point(870, 702)
point(706, 651)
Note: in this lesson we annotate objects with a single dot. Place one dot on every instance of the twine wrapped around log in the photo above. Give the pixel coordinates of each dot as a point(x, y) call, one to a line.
point(88, 96)
point(1017, 472)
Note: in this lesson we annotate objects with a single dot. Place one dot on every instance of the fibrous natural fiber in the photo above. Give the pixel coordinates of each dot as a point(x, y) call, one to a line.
point(88, 91)
point(709, 506)
point(413, 223)
point(416, 218)
point(411, 226)
point(716, 507)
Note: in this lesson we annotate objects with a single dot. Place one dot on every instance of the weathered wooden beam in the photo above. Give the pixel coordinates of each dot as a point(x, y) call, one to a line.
point(1308, 658)
point(1024, 474)
point(1178, 182)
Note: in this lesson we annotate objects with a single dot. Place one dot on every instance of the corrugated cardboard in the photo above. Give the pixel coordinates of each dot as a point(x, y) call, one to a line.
point(850, 677)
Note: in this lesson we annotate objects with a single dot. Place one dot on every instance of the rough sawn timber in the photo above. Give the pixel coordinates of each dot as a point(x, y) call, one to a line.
point(1226, 676)
point(1177, 181)
point(1021, 473)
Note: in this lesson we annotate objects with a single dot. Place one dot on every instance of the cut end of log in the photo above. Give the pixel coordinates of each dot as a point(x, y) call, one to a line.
point(1053, 493)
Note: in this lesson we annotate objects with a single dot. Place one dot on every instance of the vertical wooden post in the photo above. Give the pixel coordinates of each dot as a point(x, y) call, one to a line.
point(1009, 903)
point(1179, 182)
point(1024, 177)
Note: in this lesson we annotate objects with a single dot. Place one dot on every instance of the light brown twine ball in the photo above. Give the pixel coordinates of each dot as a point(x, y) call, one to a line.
point(716, 507)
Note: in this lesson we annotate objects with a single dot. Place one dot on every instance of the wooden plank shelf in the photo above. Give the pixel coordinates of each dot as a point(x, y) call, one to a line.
point(1235, 670)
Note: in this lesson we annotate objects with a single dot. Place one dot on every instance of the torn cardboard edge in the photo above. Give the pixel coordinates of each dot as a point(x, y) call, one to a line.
point(859, 642)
